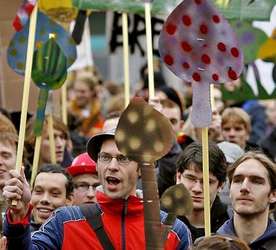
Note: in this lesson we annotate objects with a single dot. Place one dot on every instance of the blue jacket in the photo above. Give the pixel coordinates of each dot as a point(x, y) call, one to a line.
point(68, 229)
point(265, 242)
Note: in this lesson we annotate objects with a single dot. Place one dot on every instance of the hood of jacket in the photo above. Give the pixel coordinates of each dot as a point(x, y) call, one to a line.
point(270, 233)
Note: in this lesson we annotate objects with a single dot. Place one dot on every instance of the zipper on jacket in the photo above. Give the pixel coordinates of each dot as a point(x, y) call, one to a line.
point(123, 220)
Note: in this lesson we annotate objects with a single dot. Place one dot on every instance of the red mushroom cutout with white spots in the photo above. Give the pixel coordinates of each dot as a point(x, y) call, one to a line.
point(198, 45)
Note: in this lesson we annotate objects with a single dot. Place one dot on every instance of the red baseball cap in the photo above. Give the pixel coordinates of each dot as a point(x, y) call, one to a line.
point(82, 164)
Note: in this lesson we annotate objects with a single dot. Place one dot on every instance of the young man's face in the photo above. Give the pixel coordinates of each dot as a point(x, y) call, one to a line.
point(60, 142)
point(85, 188)
point(82, 94)
point(192, 178)
point(48, 194)
point(173, 114)
point(118, 180)
point(7, 161)
point(250, 190)
point(235, 133)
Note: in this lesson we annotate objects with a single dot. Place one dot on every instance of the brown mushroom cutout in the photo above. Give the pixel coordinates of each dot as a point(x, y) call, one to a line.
point(177, 201)
point(145, 135)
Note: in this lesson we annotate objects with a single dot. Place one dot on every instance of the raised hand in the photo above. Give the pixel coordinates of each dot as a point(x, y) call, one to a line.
point(3, 243)
point(17, 188)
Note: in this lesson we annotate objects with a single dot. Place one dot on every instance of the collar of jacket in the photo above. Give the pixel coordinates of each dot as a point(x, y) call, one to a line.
point(133, 205)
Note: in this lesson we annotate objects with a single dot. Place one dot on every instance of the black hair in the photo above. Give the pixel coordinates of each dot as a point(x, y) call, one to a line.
point(172, 95)
point(192, 155)
point(57, 169)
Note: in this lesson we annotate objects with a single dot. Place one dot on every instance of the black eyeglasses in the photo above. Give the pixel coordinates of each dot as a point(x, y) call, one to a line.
point(84, 187)
point(106, 158)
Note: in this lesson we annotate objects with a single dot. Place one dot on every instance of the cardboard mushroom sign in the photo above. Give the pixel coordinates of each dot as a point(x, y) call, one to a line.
point(145, 135)
point(178, 202)
point(198, 45)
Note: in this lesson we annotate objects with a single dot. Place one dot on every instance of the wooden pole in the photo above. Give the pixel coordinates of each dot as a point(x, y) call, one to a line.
point(26, 91)
point(149, 49)
point(64, 103)
point(153, 228)
point(50, 127)
point(126, 58)
point(36, 158)
point(206, 187)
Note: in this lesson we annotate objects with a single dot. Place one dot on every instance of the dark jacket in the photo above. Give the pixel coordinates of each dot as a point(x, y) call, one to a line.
point(34, 226)
point(265, 242)
point(258, 120)
point(268, 144)
point(218, 216)
point(166, 168)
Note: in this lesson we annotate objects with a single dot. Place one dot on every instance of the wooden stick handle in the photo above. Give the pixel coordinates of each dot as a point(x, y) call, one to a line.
point(26, 91)
point(153, 227)
point(126, 58)
point(149, 49)
point(36, 158)
point(64, 103)
point(206, 187)
point(50, 127)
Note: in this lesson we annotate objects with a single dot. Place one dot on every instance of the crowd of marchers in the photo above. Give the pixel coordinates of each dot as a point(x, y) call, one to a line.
point(92, 198)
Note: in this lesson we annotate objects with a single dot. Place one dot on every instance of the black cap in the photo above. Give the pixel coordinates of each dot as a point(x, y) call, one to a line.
point(94, 144)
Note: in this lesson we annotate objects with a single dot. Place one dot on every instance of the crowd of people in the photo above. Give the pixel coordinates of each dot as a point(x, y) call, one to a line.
point(91, 197)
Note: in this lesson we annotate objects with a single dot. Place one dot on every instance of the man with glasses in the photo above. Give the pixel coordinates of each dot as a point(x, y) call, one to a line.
point(189, 172)
point(119, 216)
point(85, 179)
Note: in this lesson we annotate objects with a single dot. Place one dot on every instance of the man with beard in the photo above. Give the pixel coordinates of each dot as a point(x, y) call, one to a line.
point(253, 194)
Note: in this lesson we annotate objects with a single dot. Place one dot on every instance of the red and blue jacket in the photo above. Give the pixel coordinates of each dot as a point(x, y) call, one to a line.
point(68, 229)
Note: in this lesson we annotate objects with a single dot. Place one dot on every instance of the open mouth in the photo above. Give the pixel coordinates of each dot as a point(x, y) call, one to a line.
point(112, 180)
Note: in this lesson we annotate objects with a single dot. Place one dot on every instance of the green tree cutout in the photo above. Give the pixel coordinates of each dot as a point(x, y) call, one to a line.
point(235, 9)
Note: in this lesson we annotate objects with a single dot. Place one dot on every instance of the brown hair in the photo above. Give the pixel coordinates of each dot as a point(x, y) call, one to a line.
point(264, 160)
point(236, 115)
point(57, 123)
point(192, 155)
point(8, 132)
point(219, 242)
point(6, 125)
point(90, 83)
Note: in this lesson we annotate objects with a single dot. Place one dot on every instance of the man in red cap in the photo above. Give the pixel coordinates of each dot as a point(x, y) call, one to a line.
point(85, 179)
